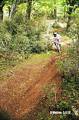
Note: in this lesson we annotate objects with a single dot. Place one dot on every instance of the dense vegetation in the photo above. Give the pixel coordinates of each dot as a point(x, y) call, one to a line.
point(21, 34)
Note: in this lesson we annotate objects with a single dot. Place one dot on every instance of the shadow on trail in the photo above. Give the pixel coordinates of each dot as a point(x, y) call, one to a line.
point(4, 115)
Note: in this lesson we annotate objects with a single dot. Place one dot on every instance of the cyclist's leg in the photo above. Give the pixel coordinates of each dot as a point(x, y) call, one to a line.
point(55, 45)
point(58, 48)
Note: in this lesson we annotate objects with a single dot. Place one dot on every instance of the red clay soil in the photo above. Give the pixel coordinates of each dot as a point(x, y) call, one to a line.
point(20, 94)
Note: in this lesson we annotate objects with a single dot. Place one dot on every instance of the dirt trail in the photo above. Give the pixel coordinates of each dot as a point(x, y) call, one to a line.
point(22, 91)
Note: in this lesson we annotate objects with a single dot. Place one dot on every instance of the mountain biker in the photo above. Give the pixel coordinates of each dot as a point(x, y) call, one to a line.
point(57, 41)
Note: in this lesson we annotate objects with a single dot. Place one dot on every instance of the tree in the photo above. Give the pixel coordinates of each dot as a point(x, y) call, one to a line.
point(2, 3)
point(55, 9)
point(72, 5)
point(1, 9)
point(13, 8)
point(14, 4)
point(28, 11)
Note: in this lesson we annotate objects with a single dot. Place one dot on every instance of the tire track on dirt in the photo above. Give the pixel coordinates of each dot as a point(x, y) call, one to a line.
point(24, 102)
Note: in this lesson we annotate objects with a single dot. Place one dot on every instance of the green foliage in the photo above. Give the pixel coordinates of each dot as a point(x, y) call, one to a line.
point(50, 93)
point(64, 106)
point(18, 37)
point(72, 5)
point(43, 115)
point(56, 25)
point(70, 65)
point(70, 73)
point(74, 28)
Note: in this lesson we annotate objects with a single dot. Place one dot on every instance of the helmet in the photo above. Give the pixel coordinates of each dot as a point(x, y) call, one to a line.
point(54, 33)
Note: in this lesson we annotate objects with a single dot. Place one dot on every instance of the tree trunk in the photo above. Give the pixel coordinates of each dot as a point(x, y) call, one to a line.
point(1, 12)
point(68, 23)
point(29, 7)
point(71, 8)
point(55, 13)
point(55, 9)
point(64, 12)
point(13, 8)
point(9, 9)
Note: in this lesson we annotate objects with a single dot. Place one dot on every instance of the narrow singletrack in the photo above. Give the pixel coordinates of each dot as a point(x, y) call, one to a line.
point(20, 94)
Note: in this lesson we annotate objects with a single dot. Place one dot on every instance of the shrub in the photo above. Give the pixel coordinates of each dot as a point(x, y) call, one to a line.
point(18, 38)
point(70, 73)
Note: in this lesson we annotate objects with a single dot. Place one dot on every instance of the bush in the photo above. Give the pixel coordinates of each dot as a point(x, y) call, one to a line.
point(18, 38)
point(64, 106)
point(70, 73)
